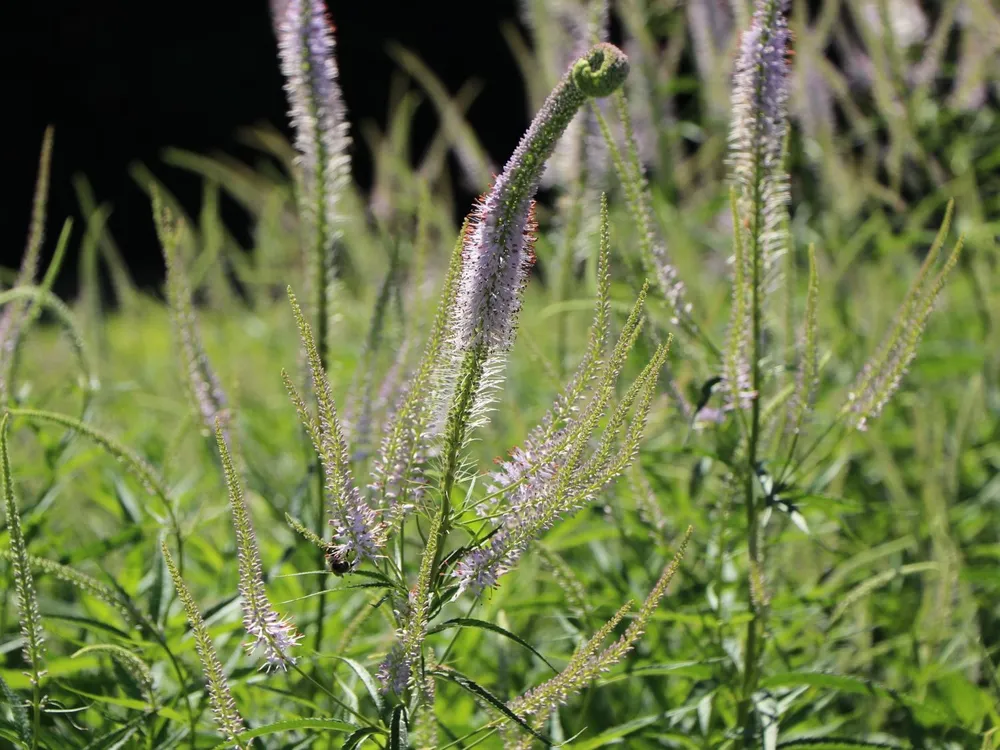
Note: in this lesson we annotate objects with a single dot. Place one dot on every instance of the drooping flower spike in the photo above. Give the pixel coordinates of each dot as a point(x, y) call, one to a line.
point(498, 254)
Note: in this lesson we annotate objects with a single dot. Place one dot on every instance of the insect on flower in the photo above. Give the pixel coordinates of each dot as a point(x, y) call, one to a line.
point(336, 560)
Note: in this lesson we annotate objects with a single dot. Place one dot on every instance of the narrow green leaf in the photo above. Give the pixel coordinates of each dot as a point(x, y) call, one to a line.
point(822, 743)
point(471, 622)
point(18, 713)
point(358, 738)
point(330, 725)
point(482, 693)
point(611, 736)
point(367, 680)
point(398, 729)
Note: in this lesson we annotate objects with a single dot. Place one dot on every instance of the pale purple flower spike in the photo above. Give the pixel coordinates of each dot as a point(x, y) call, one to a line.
point(306, 46)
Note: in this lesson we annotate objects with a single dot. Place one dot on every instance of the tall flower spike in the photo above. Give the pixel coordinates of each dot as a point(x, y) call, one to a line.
point(759, 127)
point(268, 630)
point(24, 585)
point(498, 252)
point(756, 158)
point(227, 715)
point(206, 390)
point(306, 47)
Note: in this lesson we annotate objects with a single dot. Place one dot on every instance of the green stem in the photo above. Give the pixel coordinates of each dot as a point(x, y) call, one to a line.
point(36, 706)
point(566, 262)
point(751, 655)
point(321, 270)
point(455, 433)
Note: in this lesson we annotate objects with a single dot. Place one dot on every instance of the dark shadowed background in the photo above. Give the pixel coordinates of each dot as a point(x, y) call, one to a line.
point(122, 80)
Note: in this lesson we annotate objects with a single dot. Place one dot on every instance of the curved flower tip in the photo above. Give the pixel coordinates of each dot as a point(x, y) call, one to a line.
point(602, 71)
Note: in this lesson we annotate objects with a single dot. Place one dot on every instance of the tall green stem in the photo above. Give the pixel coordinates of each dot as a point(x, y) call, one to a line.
point(322, 270)
point(751, 654)
point(455, 434)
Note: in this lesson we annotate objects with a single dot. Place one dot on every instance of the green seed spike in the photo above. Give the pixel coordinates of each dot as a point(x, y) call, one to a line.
point(883, 388)
point(881, 356)
point(590, 661)
point(882, 374)
point(24, 585)
point(227, 716)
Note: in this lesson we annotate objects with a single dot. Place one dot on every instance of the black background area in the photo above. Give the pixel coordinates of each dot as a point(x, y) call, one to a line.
point(121, 81)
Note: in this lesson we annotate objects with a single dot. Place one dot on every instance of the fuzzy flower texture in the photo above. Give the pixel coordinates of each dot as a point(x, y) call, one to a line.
point(306, 46)
point(498, 249)
point(756, 149)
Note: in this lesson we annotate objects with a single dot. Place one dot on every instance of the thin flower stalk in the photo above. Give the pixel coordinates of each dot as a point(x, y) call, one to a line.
point(361, 408)
point(737, 374)
point(227, 715)
point(203, 384)
point(267, 629)
point(13, 317)
point(29, 617)
point(358, 531)
point(319, 118)
point(808, 370)
point(401, 667)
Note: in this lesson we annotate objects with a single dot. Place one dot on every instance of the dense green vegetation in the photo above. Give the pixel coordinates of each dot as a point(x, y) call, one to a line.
point(839, 587)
